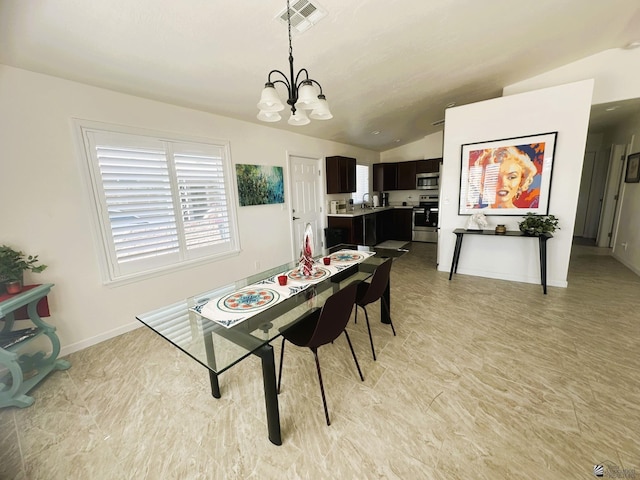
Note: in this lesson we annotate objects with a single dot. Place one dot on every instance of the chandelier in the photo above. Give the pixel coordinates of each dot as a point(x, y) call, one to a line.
point(305, 94)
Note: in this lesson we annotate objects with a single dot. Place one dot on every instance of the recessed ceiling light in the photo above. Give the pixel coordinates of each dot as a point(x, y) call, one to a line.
point(612, 108)
point(397, 140)
point(375, 132)
point(451, 104)
point(631, 45)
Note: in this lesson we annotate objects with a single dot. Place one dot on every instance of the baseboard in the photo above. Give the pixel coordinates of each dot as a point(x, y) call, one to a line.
point(626, 264)
point(76, 347)
point(510, 278)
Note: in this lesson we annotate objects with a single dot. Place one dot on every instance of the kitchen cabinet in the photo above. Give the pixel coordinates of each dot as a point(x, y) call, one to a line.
point(384, 226)
point(352, 227)
point(401, 175)
point(390, 224)
point(431, 165)
point(385, 177)
point(406, 175)
point(341, 174)
point(402, 224)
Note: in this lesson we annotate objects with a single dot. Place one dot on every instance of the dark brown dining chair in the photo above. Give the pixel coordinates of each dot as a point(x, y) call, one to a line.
point(369, 292)
point(320, 327)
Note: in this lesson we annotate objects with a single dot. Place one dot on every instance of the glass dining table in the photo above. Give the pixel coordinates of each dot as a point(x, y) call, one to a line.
point(219, 346)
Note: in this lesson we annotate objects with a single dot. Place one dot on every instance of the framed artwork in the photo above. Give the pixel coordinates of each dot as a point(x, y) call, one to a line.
point(507, 177)
point(633, 168)
point(259, 184)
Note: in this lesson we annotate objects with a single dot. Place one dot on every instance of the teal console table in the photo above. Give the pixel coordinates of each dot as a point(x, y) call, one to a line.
point(19, 373)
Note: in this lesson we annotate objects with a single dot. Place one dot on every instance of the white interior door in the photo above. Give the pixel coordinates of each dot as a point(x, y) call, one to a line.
point(306, 201)
point(583, 194)
point(611, 196)
point(596, 196)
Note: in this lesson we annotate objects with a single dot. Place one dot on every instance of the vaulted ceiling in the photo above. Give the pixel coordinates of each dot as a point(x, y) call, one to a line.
point(387, 66)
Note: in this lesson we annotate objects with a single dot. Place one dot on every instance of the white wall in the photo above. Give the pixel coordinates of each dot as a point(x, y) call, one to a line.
point(616, 74)
point(564, 109)
point(45, 208)
point(628, 218)
point(427, 147)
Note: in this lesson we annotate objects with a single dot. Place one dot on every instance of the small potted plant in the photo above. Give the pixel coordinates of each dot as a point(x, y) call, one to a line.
point(538, 224)
point(13, 263)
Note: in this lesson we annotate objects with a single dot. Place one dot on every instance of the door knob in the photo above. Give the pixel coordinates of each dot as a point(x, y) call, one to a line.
point(296, 218)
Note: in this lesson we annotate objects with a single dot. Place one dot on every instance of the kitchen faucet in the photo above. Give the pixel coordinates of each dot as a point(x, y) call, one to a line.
point(363, 203)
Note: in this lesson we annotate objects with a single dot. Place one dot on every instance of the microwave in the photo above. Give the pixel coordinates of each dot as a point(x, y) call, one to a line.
point(428, 181)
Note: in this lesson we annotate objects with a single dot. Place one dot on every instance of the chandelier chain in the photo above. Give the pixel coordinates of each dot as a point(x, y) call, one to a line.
point(289, 23)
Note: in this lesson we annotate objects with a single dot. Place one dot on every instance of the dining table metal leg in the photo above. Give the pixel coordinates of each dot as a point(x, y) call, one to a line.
point(215, 386)
point(385, 313)
point(211, 360)
point(270, 392)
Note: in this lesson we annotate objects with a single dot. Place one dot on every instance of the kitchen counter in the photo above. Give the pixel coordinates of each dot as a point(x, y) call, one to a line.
point(373, 225)
point(358, 212)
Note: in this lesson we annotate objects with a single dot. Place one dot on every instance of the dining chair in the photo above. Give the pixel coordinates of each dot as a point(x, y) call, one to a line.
point(369, 292)
point(320, 327)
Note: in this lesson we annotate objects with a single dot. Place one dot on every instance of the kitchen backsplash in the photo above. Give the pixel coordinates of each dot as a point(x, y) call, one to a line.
point(396, 197)
point(409, 196)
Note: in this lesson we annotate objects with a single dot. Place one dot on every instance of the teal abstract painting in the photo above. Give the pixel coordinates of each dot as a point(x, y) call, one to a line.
point(259, 184)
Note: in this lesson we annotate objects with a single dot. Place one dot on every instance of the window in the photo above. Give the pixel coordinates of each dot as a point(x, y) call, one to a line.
point(362, 183)
point(160, 202)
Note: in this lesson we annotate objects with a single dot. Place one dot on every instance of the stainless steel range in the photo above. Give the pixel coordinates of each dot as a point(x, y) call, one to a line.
point(425, 219)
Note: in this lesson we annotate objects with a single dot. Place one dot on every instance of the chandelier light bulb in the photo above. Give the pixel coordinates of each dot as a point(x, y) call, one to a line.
point(321, 112)
point(269, 116)
point(270, 100)
point(307, 96)
point(299, 118)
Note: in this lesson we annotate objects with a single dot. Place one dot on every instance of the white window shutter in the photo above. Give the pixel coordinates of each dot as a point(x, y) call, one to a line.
point(159, 202)
point(362, 183)
point(139, 202)
point(203, 201)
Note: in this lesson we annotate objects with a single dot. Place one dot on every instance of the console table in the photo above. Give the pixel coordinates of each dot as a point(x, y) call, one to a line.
point(27, 370)
point(542, 243)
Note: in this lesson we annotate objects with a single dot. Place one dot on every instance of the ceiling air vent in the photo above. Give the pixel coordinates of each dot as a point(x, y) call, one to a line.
point(304, 15)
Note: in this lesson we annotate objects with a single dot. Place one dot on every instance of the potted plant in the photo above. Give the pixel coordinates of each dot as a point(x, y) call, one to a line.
point(538, 224)
point(13, 263)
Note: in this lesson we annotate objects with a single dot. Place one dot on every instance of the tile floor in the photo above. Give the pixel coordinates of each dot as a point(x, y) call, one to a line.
point(487, 379)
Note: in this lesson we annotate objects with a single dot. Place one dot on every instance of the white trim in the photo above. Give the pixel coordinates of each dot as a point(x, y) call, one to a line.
point(111, 275)
point(89, 342)
point(321, 196)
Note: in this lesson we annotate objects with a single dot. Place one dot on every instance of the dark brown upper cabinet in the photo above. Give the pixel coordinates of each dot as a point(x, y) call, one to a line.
point(431, 165)
point(385, 177)
point(407, 175)
point(341, 174)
